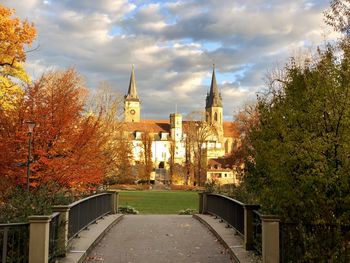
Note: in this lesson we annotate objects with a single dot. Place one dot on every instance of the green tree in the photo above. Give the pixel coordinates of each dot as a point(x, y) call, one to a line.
point(301, 146)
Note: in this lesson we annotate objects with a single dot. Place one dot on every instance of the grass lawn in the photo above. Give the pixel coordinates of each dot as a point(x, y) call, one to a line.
point(159, 202)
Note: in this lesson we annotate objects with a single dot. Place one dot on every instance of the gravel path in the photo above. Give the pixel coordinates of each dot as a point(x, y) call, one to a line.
point(159, 239)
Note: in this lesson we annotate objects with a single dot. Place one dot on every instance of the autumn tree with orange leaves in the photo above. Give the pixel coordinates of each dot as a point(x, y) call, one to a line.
point(67, 143)
point(244, 122)
point(15, 37)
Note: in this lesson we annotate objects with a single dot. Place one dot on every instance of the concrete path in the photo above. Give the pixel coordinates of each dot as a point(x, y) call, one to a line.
point(80, 247)
point(159, 239)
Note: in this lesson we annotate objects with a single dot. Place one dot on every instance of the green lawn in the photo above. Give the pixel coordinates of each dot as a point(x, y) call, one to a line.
point(159, 202)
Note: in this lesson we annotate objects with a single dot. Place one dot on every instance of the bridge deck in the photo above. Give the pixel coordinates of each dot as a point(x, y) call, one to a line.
point(159, 238)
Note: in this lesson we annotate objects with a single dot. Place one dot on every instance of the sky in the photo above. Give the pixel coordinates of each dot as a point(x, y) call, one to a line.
point(173, 45)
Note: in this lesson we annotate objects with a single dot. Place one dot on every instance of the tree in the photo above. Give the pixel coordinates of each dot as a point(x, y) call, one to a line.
point(117, 150)
point(301, 148)
point(243, 124)
point(197, 134)
point(67, 142)
point(147, 164)
point(15, 35)
point(338, 16)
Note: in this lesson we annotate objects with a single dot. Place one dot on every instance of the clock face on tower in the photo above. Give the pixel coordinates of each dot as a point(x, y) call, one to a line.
point(132, 112)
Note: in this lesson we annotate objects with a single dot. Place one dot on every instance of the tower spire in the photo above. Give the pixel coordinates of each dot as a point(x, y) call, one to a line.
point(132, 91)
point(213, 98)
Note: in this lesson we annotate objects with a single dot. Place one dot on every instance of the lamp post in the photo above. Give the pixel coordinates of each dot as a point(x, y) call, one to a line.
point(31, 126)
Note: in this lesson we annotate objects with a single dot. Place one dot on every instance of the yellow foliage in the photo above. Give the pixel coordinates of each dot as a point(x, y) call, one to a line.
point(14, 35)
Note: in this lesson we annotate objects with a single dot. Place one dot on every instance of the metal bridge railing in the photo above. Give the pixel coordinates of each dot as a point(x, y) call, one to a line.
point(229, 209)
point(86, 211)
point(53, 236)
point(14, 242)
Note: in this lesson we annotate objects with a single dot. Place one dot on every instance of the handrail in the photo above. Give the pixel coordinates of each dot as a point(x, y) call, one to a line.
point(228, 209)
point(13, 224)
point(85, 199)
point(84, 212)
point(229, 198)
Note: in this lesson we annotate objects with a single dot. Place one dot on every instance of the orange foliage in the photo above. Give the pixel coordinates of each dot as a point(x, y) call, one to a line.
point(14, 35)
point(244, 122)
point(66, 142)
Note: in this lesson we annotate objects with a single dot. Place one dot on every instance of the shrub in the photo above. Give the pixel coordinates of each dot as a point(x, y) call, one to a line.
point(187, 211)
point(127, 210)
point(211, 186)
point(186, 187)
point(17, 204)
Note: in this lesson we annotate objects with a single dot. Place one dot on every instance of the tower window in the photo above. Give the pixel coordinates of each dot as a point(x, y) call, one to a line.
point(216, 116)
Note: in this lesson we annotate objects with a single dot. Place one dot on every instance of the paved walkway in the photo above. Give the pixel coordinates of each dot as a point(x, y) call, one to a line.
point(159, 239)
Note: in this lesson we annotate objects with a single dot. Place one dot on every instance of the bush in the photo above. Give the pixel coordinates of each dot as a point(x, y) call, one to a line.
point(130, 187)
point(186, 187)
point(127, 210)
point(187, 211)
point(16, 204)
point(211, 186)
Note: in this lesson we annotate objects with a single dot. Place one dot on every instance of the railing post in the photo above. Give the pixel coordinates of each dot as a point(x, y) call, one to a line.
point(200, 203)
point(249, 226)
point(270, 238)
point(39, 239)
point(63, 219)
point(114, 200)
point(205, 203)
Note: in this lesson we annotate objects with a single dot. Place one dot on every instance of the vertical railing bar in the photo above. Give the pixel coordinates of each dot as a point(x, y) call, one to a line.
point(12, 242)
point(18, 234)
point(4, 245)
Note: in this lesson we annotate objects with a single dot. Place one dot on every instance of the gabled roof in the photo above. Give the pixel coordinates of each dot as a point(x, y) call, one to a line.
point(225, 162)
point(152, 126)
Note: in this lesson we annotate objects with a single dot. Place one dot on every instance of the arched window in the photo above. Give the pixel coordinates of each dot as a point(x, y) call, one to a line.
point(216, 116)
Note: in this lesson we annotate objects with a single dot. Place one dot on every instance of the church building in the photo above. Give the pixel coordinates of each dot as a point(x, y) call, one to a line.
point(170, 139)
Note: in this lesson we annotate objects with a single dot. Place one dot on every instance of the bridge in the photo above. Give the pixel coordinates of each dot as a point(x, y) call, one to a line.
point(159, 238)
point(91, 230)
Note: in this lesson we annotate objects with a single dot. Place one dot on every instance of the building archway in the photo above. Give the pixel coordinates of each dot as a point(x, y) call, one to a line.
point(161, 165)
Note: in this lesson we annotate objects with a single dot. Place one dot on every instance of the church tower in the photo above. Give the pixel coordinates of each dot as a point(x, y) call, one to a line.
point(132, 101)
point(213, 107)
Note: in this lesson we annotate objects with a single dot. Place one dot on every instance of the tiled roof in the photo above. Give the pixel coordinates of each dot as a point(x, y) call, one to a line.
point(230, 130)
point(221, 163)
point(153, 126)
point(156, 126)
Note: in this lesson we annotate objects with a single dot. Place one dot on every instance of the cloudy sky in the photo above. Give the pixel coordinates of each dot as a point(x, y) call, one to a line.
point(173, 45)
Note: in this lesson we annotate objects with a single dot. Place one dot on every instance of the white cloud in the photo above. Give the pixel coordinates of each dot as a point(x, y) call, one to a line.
point(171, 44)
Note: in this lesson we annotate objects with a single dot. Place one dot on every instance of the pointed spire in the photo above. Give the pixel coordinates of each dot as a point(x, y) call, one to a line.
point(132, 92)
point(214, 97)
